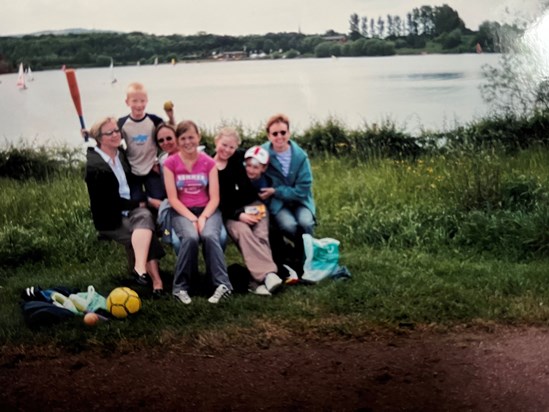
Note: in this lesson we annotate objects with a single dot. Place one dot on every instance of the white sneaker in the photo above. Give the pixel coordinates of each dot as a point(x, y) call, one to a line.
point(222, 292)
point(183, 296)
point(260, 290)
point(292, 276)
point(272, 282)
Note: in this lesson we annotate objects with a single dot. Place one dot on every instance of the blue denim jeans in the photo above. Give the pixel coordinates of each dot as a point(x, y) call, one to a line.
point(176, 242)
point(289, 220)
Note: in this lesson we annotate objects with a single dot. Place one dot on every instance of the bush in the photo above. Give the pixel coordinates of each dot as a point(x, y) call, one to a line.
point(19, 246)
point(21, 164)
point(292, 54)
point(36, 163)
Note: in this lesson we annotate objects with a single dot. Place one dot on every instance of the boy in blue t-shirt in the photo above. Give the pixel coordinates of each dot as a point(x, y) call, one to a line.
point(138, 132)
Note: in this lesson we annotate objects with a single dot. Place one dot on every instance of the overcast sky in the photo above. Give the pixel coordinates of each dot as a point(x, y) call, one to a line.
point(233, 17)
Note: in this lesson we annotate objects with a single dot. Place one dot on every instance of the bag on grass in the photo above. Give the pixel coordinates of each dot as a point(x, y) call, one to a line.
point(321, 258)
point(39, 313)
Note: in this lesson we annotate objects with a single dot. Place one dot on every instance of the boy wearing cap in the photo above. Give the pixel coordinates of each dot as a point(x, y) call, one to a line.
point(256, 160)
point(244, 213)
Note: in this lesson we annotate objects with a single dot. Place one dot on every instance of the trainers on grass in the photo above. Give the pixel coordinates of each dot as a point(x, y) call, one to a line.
point(222, 292)
point(292, 276)
point(272, 282)
point(183, 296)
point(260, 290)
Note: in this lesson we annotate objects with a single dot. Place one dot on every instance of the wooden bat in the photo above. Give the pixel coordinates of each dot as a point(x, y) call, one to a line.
point(75, 94)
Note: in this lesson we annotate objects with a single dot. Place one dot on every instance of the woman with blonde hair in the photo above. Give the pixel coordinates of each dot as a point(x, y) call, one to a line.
point(115, 215)
point(239, 203)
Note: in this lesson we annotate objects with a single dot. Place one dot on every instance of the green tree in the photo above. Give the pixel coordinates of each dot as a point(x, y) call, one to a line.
point(292, 54)
point(364, 26)
point(323, 49)
point(487, 36)
point(390, 26)
point(354, 29)
point(446, 20)
point(398, 29)
point(451, 40)
point(426, 20)
point(380, 27)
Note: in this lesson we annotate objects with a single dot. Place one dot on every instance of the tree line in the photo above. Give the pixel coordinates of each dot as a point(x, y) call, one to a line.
point(430, 29)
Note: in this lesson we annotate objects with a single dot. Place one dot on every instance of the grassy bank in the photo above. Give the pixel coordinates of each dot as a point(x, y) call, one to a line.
point(436, 239)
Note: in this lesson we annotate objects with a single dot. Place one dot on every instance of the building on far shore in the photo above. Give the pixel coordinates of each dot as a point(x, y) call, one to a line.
point(341, 38)
point(231, 55)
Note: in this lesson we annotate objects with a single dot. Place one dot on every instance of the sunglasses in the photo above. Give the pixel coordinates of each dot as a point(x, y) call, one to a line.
point(168, 139)
point(110, 133)
point(282, 133)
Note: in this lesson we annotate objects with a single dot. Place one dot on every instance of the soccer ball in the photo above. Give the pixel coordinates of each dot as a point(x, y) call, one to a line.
point(122, 302)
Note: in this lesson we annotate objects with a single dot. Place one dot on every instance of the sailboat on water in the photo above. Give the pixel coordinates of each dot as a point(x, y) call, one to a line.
point(30, 75)
point(21, 82)
point(156, 61)
point(111, 69)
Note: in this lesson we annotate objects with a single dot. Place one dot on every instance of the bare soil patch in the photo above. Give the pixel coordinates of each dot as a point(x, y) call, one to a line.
point(470, 370)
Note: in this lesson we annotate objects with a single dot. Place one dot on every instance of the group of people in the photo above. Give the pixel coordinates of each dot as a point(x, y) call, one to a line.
point(260, 197)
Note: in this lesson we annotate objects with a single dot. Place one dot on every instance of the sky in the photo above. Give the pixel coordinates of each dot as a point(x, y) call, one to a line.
point(234, 17)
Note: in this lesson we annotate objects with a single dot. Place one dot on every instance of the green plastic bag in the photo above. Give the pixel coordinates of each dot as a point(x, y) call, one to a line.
point(321, 258)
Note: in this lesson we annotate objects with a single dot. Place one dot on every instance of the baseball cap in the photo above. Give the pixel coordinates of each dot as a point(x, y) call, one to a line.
point(257, 153)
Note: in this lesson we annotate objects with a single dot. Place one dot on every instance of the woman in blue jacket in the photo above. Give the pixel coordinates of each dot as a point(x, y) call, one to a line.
point(291, 202)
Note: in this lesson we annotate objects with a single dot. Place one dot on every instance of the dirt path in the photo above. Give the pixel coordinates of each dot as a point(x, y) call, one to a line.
point(418, 371)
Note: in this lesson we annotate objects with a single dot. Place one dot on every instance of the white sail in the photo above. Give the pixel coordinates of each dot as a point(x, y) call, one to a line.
point(30, 76)
point(155, 61)
point(21, 83)
point(111, 69)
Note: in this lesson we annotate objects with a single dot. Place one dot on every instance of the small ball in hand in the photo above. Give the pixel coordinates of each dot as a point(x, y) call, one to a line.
point(91, 319)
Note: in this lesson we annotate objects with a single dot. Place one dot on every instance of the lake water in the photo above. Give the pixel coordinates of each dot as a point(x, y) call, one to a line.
point(428, 91)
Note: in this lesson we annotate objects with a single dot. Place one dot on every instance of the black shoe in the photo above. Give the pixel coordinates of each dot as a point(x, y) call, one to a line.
point(159, 294)
point(140, 279)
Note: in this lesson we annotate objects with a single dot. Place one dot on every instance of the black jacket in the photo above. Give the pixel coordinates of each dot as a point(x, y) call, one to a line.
point(235, 188)
point(105, 201)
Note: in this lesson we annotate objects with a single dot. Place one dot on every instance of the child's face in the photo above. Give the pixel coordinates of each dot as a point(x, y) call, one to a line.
point(254, 169)
point(137, 102)
point(225, 147)
point(188, 141)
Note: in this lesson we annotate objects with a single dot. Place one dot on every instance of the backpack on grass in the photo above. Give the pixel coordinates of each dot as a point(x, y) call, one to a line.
point(39, 313)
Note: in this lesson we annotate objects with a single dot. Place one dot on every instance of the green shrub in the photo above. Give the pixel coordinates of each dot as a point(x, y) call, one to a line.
point(20, 246)
point(37, 163)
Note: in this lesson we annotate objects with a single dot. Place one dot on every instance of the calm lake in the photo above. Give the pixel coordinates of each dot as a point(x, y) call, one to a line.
point(428, 91)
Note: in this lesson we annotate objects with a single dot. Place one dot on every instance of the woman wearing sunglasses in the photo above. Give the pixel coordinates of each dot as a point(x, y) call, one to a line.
point(115, 215)
point(291, 197)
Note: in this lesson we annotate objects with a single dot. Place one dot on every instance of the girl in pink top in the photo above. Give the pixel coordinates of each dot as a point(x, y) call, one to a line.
point(192, 186)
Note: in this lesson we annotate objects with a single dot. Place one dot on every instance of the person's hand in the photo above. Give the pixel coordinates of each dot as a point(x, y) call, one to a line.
point(249, 219)
point(201, 223)
point(156, 168)
point(171, 118)
point(154, 202)
point(266, 193)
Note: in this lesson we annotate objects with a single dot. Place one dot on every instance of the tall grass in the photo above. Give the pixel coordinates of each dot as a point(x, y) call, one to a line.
point(454, 237)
